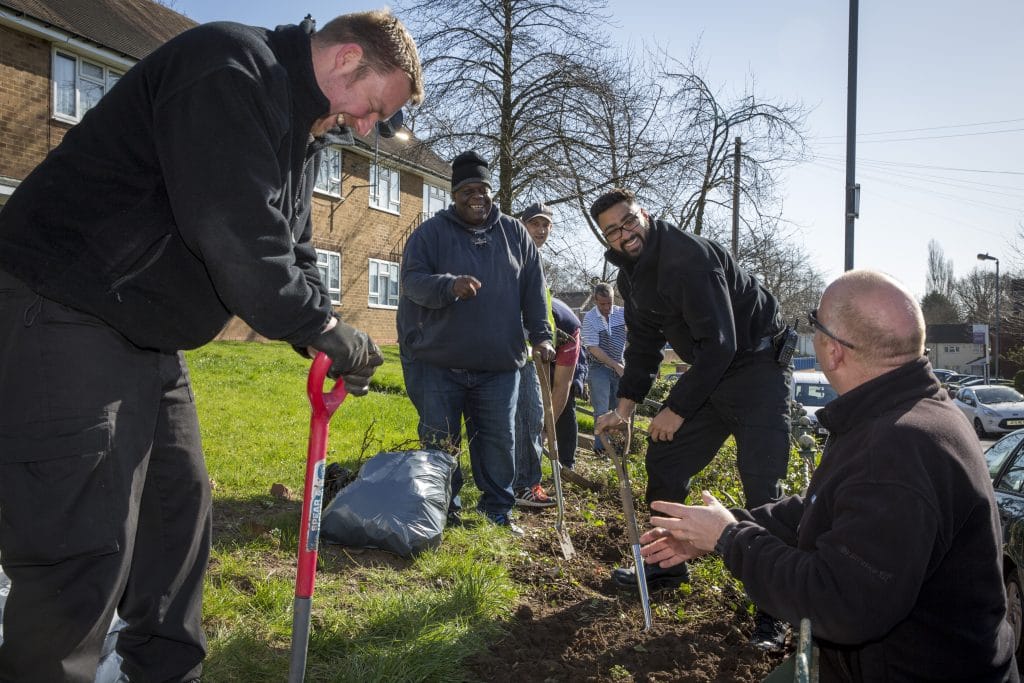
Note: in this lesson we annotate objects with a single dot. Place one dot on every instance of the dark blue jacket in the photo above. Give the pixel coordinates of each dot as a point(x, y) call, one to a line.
point(484, 333)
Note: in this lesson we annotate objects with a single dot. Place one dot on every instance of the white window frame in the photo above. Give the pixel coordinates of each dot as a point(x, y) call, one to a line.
point(324, 260)
point(105, 82)
point(328, 183)
point(376, 277)
point(434, 199)
point(385, 189)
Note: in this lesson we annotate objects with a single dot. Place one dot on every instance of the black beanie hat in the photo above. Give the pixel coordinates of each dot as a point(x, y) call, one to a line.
point(469, 167)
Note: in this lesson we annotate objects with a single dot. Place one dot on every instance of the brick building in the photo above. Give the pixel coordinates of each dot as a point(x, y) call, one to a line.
point(58, 57)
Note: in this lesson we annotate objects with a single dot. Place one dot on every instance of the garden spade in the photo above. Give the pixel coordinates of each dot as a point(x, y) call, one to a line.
point(323, 406)
point(632, 532)
point(544, 374)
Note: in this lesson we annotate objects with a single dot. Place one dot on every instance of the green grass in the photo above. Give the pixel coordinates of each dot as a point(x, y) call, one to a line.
point(369, 623)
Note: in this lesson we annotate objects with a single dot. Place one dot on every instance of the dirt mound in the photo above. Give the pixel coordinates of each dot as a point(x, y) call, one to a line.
point(574, 624)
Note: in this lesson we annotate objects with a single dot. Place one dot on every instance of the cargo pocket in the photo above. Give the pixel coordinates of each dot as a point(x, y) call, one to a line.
point(56, 492)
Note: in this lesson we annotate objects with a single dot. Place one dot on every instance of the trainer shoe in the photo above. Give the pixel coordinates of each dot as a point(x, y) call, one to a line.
point(534, 497)
point(658, 578)
point(506, 521)
point(769, 633)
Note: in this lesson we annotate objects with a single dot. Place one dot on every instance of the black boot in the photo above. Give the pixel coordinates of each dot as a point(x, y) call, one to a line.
point(657, 577)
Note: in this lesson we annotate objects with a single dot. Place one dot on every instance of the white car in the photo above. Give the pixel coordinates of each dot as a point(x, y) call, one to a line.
point(812, 391)
point(991, 408)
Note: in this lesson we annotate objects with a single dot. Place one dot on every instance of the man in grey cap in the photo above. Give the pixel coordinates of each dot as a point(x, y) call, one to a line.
point(471, 279)
point(529, 408)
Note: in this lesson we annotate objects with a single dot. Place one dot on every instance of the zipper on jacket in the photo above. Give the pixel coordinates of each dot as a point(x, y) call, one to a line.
point(156, 254)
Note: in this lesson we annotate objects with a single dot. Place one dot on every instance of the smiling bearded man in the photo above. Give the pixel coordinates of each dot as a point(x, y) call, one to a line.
point(688, 291)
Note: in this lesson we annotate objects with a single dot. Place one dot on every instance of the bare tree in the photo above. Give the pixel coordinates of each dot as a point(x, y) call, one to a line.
point(772, 134)
point(497, 71)
point(940, 277)
point(976, 296)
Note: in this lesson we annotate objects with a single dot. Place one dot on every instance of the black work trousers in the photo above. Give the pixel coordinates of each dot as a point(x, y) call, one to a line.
point(751, 403)
point(104, 498)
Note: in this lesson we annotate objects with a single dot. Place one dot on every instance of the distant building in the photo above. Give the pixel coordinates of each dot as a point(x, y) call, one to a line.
point(954, 347)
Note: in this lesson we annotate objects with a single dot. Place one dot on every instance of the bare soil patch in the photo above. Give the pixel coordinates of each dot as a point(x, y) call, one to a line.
point(574, 624)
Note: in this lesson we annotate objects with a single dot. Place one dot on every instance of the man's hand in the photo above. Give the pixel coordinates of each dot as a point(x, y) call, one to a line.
point(619, 369)
point(465, 287)
point(664, 425)
point(545, 351)
point(662, 548)
point(695, 528)
point(354, 356)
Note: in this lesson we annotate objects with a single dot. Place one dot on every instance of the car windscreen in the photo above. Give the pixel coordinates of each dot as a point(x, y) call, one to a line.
point(816, 395)
point(998, 395)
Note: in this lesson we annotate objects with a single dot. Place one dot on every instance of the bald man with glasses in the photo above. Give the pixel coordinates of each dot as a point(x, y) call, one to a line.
point(689, 291)
point(894, 551)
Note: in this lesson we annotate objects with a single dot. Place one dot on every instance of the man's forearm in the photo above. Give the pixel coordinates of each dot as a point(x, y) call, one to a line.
point(602, 356)
point(625, 409)
point(560, 388)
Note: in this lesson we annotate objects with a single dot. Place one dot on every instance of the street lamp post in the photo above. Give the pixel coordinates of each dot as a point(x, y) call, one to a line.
point(986, 257)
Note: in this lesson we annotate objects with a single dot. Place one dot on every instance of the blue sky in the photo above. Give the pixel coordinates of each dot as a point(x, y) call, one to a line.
point(939, 87)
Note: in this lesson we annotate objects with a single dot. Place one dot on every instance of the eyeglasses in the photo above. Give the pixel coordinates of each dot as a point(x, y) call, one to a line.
point(631, 222)
point(812, 319)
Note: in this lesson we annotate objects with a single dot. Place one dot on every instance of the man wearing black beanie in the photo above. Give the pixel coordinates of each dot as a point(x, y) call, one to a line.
point(471, 279)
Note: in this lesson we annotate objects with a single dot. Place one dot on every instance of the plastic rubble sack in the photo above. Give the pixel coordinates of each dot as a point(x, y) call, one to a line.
point(398, 502)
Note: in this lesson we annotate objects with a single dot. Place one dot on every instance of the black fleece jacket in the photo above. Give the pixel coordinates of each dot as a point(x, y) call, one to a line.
point(183, 196)
point(689, 291)
point(894, 552)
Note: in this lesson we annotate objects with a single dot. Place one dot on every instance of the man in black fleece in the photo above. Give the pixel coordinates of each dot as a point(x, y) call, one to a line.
point(689, 291)
point(181, 199)
point(894, 551)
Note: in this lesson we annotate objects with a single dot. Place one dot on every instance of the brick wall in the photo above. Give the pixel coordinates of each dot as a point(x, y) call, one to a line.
point(27, 132)
point(358, 232)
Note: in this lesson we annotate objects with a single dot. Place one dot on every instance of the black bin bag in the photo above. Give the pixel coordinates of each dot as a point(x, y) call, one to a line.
point(398, 503)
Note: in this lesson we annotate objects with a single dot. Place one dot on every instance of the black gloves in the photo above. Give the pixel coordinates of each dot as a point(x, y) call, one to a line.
point(354, 356)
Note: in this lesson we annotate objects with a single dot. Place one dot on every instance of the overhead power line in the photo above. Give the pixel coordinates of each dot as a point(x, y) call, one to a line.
point(918, 130)
point(926, 137)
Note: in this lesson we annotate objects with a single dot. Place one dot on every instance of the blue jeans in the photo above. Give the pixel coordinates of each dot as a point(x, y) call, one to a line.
point(604, 384)
point(529, 429)
point(487, 401)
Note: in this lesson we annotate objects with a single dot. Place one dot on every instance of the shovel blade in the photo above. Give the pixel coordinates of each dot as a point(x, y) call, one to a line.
point(568, 551)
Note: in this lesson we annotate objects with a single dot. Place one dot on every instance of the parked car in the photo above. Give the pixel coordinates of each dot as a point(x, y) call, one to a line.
point(991, 408)
point(812, 391)
point(1006, 465)
point(954, 383)
point(943, 375)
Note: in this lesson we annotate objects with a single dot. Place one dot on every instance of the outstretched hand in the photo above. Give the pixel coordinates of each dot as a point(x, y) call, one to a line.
point(687, 532)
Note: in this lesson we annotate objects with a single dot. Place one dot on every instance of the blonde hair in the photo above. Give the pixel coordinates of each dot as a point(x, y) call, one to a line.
point(386, 44)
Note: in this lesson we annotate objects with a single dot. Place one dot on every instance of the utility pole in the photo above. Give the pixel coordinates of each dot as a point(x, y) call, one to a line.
point(986, 257)
point(852, 188)
point(736, 198)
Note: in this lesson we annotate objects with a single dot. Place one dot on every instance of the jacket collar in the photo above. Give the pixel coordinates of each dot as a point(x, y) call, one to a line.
point(904, 385)
point(492, 219)
point(291, 45)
